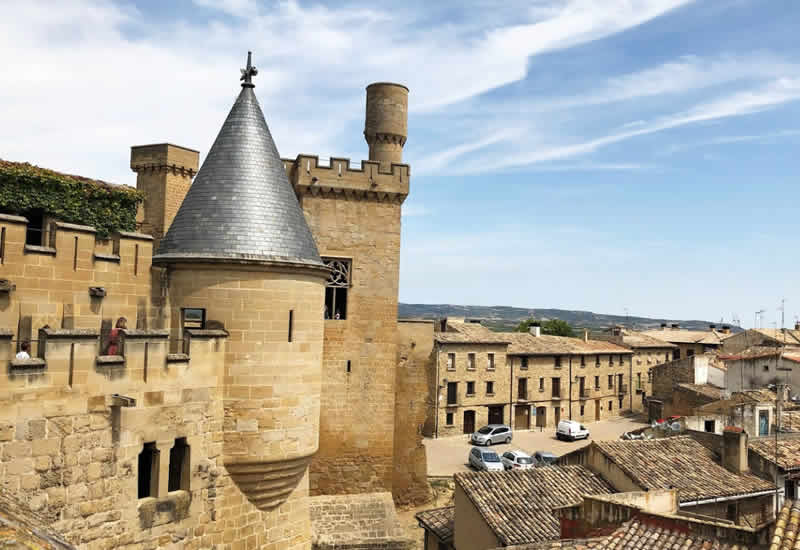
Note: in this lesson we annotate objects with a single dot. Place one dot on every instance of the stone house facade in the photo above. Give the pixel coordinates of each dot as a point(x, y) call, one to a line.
point(525, 380)
point(236, 389)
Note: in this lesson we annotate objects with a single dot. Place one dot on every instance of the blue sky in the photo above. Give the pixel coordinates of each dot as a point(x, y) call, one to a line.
point(603, 155)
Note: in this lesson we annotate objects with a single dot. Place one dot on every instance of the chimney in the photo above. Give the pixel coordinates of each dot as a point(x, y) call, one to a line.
point(535, 330)
point(586, 335)
point(734, 450)
point(797, 325)
point(726, 329)
point(712, 326)
point(663, 325)
point(675, 326)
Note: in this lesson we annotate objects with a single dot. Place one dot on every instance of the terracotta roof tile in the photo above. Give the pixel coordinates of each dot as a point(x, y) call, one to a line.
point(683, 336)
point(784, 535)
point(640, 535)
point(518, 505)
point(706, 390)
point(439, 521)
point(788, 451)
point(682, 463)
point(524, 343)
point(642, 340)
point(469, 333)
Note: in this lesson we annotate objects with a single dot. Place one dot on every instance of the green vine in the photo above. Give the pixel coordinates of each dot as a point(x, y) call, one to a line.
point(72, 199)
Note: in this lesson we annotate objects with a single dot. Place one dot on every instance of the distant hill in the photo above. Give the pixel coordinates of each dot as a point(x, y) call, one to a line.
point(506, 317)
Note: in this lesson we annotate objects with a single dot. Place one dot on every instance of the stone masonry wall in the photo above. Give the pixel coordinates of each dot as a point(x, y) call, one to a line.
point(355, 214)
point(415, 354)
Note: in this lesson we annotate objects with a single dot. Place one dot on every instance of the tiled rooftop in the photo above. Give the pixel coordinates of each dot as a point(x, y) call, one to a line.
point(469, 333)
point(683, 336)
point(788, 451)
point(737, 399)
point(642, 340)
point(21, 529)
point(785, 535)
point(638, 535)
point(682, 463)
point(518, 505)
point(439, 521)
point(791, 353)
point(706, 390)
point(524, 343)
point(790, 421)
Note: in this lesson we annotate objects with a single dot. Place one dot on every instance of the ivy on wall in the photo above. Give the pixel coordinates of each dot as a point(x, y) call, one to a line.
point(72, 199)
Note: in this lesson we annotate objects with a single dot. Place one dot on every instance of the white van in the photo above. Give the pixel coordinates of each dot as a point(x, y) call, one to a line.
point(571, 430)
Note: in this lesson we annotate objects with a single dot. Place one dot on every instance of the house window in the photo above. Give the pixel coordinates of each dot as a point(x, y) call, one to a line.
point(597, 382)
point(541, 384)
point(556, 387)
point(709, 426)
point(148, 470)
point(610, 406)
point(193, 317)
point(524, 363)
point(610, 360)
point(179, 466)
point(689, 352)
point(638, 380)
point(621, 361)
point(337, 287)
point(597, 361)
point(349, 366)
point(766, 368)
point(666, 357)
point(582, 410)
point(491, 361)
point(471, 361)
point(291, 323)
point(676, 355)
point(522, 388)
point(620, 402)
point(558, 362)
point(489, 388)
point(449, 419)
point(34, 235)
point(451, 361)
point(470, 388)
point(452, 393)
point(610, 381)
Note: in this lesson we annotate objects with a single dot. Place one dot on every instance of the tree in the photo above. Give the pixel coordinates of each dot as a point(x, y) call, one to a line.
point(526, 325)
point(557, 327)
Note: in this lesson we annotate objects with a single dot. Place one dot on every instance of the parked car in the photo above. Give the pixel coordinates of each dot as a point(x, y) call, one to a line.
point(493, 433)
point(485, 460)
point(516, 460)
point(544, 458)
point(571, 430)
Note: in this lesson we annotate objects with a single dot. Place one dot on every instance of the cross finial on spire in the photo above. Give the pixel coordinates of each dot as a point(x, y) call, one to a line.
point(249, 72)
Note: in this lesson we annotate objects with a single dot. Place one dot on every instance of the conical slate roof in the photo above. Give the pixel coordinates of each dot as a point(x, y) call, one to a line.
point(241, 205)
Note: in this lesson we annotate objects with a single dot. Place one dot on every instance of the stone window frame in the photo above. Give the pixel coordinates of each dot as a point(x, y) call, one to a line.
point(470, 384)
point(556, 361)
point(597, 382)
point(449, 419)
point(471, 361)
point(610, 381)
point(490, 387)
point(523, 362)
point(583, 360)
point(541, 383)
point(340, 277)
point(451, 365)
point(490, 361)
point(597, 360)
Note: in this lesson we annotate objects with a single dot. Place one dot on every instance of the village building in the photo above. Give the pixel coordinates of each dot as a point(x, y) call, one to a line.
point(502, 509)
point(751, 410)
point(762, 337)
point(779, 460)
point(690, 342)
point(760, 366)
point(680, 386)
point(438, 525)
point(649, 520)
point(726, 490)
point(199, 366)
point(525, 379)
point(647, 353)
point(787, 527)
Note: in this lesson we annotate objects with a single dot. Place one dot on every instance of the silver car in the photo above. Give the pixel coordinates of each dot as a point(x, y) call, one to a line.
point(485, 460)
point(544, 458)
point(516, 460)
point(493, 433)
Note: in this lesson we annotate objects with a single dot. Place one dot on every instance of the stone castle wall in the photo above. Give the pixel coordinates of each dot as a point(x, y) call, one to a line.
point(355, 214)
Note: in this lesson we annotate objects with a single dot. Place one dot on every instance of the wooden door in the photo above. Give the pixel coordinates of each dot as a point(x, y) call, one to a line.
point(541, 417)
point(597, 409)
point(469, 422)
point(557, 414)
point(496, 414)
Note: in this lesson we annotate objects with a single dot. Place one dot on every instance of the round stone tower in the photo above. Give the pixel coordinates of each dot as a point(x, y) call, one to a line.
point(386, 122)
point(240, 248)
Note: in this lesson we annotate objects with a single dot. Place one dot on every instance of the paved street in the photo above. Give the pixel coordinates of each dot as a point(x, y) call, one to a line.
point(449, 455)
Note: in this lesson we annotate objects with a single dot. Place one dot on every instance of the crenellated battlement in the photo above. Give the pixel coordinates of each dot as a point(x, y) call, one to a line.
point(72, 279)
point(369, 182)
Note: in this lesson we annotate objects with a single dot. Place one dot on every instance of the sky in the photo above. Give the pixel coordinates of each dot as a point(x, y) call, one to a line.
point(616, 156)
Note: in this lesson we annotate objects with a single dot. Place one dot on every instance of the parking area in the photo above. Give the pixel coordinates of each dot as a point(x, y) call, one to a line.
point(448, 455)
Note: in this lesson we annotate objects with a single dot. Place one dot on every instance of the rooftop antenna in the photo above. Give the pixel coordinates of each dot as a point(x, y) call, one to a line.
point(758, 315)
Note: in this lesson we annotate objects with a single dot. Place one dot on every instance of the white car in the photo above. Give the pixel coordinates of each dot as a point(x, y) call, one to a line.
point(571, 430)
point(493, 433)
point(485, 460)
point(516, 460)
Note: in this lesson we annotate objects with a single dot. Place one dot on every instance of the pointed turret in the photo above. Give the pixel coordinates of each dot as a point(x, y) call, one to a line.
point(241, 205)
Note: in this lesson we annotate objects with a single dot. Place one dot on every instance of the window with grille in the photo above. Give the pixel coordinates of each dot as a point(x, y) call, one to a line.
point(337, 287)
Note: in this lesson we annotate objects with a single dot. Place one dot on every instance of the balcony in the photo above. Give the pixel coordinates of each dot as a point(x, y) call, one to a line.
point(623, 388)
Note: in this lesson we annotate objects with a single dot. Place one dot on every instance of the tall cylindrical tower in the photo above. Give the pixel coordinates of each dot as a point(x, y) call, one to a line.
point(386, 122)
point(240, 248)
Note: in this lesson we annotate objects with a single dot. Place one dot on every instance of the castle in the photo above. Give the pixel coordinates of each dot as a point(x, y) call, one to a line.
point(258, 360)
